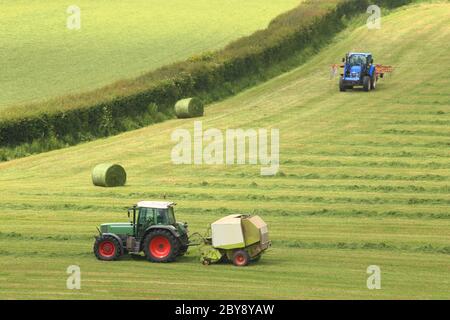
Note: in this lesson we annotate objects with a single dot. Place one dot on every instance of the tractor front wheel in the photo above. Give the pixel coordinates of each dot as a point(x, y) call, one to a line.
point(342, 87)
point(161, 246)
point(107, 248)
point(241, 258)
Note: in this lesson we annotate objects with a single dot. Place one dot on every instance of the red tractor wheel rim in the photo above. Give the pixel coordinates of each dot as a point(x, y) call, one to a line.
point(107, 249)
point(160, 247)
point(240, 259)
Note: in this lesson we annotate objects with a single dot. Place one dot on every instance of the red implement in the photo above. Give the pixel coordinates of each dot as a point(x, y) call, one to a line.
point(381, 69)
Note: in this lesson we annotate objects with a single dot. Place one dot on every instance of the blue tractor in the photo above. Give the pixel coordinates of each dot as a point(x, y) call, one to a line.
point(359, 70)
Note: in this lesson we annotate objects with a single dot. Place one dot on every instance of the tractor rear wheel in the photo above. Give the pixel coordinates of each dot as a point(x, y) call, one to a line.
point(241, 258)
point(373, 83)
point(367, 83)
point(161, 246)
point(107, 248)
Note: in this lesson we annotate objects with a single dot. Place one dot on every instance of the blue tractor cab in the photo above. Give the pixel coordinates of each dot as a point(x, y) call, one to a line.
point(359, 70)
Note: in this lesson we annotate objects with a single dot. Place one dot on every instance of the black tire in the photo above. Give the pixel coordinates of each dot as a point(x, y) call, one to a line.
point(241, 258)
point(107, 248)
point(373, 83)
point(183, 245)
point(342, 87)
point(367, 83)
point(168, 253)
point(183, 250)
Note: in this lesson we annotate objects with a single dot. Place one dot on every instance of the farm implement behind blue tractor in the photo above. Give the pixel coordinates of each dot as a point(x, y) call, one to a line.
point(359, 70)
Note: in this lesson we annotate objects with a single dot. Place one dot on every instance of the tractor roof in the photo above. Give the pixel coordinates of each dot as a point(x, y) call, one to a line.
point(155, 204)
point(360, 53)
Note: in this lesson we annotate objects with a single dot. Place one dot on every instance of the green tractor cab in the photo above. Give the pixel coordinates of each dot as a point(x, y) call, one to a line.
point(153, 230)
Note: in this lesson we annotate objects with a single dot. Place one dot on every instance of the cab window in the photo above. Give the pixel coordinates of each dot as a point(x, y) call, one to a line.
point(357, 59)
point(171, 215)
point(165, 216)
point(161, 216)
point(146, 216)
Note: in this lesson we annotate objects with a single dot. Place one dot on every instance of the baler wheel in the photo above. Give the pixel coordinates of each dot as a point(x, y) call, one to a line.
point(161, 246)
point(241, 258)
point(107, 248)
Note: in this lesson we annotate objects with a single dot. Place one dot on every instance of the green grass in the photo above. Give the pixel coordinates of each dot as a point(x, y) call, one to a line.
point(366, 180)
point(41, 58)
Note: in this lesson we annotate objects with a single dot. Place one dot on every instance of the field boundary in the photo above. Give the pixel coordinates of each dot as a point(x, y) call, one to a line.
point(135, 103)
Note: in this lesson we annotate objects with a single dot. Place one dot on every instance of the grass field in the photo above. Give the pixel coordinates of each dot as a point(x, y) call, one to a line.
point(364, 181)
point(41, 58)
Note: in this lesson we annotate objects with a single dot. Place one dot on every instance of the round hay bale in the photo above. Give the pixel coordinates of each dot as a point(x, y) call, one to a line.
point(109, 175)
point(189, 108)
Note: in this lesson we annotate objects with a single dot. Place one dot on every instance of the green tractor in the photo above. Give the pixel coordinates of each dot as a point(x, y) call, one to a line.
point(153, 230)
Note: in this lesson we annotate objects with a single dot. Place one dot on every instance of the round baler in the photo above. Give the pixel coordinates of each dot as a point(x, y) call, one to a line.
point(237, 238)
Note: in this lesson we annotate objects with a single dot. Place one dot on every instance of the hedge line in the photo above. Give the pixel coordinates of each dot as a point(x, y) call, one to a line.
point(150, 98)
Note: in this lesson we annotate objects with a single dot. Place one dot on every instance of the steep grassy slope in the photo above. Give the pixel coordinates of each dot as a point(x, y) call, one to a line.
point(41, 58)
point(365, 181)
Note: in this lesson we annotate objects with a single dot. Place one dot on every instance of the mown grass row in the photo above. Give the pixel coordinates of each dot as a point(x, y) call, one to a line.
point(54, 239)
point(324, 210)
point(316, 196)
point(414, 145)
point(372, 164)
point(379, 246)
point(409, 210)
point(357, 152)
point(427, 248)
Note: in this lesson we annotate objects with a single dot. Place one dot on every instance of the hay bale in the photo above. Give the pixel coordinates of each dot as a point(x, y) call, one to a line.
point(189, 108)
point(109, 175)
